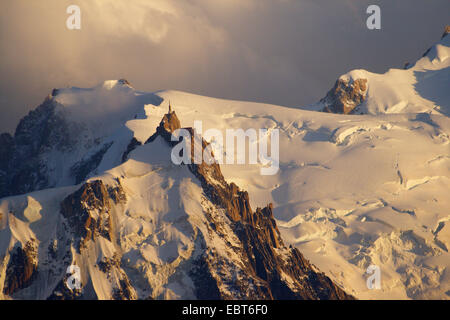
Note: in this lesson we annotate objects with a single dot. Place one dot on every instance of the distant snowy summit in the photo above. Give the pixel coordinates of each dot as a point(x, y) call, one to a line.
point(421, 87)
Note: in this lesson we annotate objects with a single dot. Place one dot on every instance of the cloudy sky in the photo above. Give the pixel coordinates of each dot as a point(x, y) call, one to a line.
point(286, 52)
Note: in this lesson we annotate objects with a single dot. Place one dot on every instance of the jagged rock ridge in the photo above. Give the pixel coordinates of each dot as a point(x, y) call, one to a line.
point(258, 233)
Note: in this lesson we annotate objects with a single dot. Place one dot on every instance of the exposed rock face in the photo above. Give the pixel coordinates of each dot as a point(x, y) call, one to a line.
point(41, 130)
point(446, 31)
point(22, 267)
point(260, 237)
point(62, 292)
point(124, 82)
point(124, 290)
point(89, 217)
point(168, 124)
point(345, 96)
point(134, 143)
point(6, 150)
point(88, 210)
point(25, 165)
point(82, 169)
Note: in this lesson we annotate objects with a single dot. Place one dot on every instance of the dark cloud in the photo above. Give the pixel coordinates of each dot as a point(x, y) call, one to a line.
point(286, 52)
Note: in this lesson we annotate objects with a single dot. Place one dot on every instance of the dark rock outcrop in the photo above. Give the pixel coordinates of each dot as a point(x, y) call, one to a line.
point(46, 130)
point(124, 290)
point(62, 292)
point(81, 169)
point(124, 82)
point(20, 156)
point(134, 143)
point(6, 151)
point(168, 124)
point(345, 96)
point(446, 32)
point(79, 208)
point(22, 267)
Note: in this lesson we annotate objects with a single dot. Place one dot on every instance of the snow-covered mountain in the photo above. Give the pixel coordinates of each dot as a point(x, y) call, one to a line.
point(419, 87)
point(136, 225)
point(81, 183)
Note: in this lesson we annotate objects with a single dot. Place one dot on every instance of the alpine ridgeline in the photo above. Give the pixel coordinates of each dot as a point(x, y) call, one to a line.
point(143, 228)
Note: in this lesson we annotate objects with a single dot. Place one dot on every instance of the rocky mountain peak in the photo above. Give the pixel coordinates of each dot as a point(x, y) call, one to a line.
point(88, 210)
point(169, 123)
point(345, 96)
point(258, 234)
